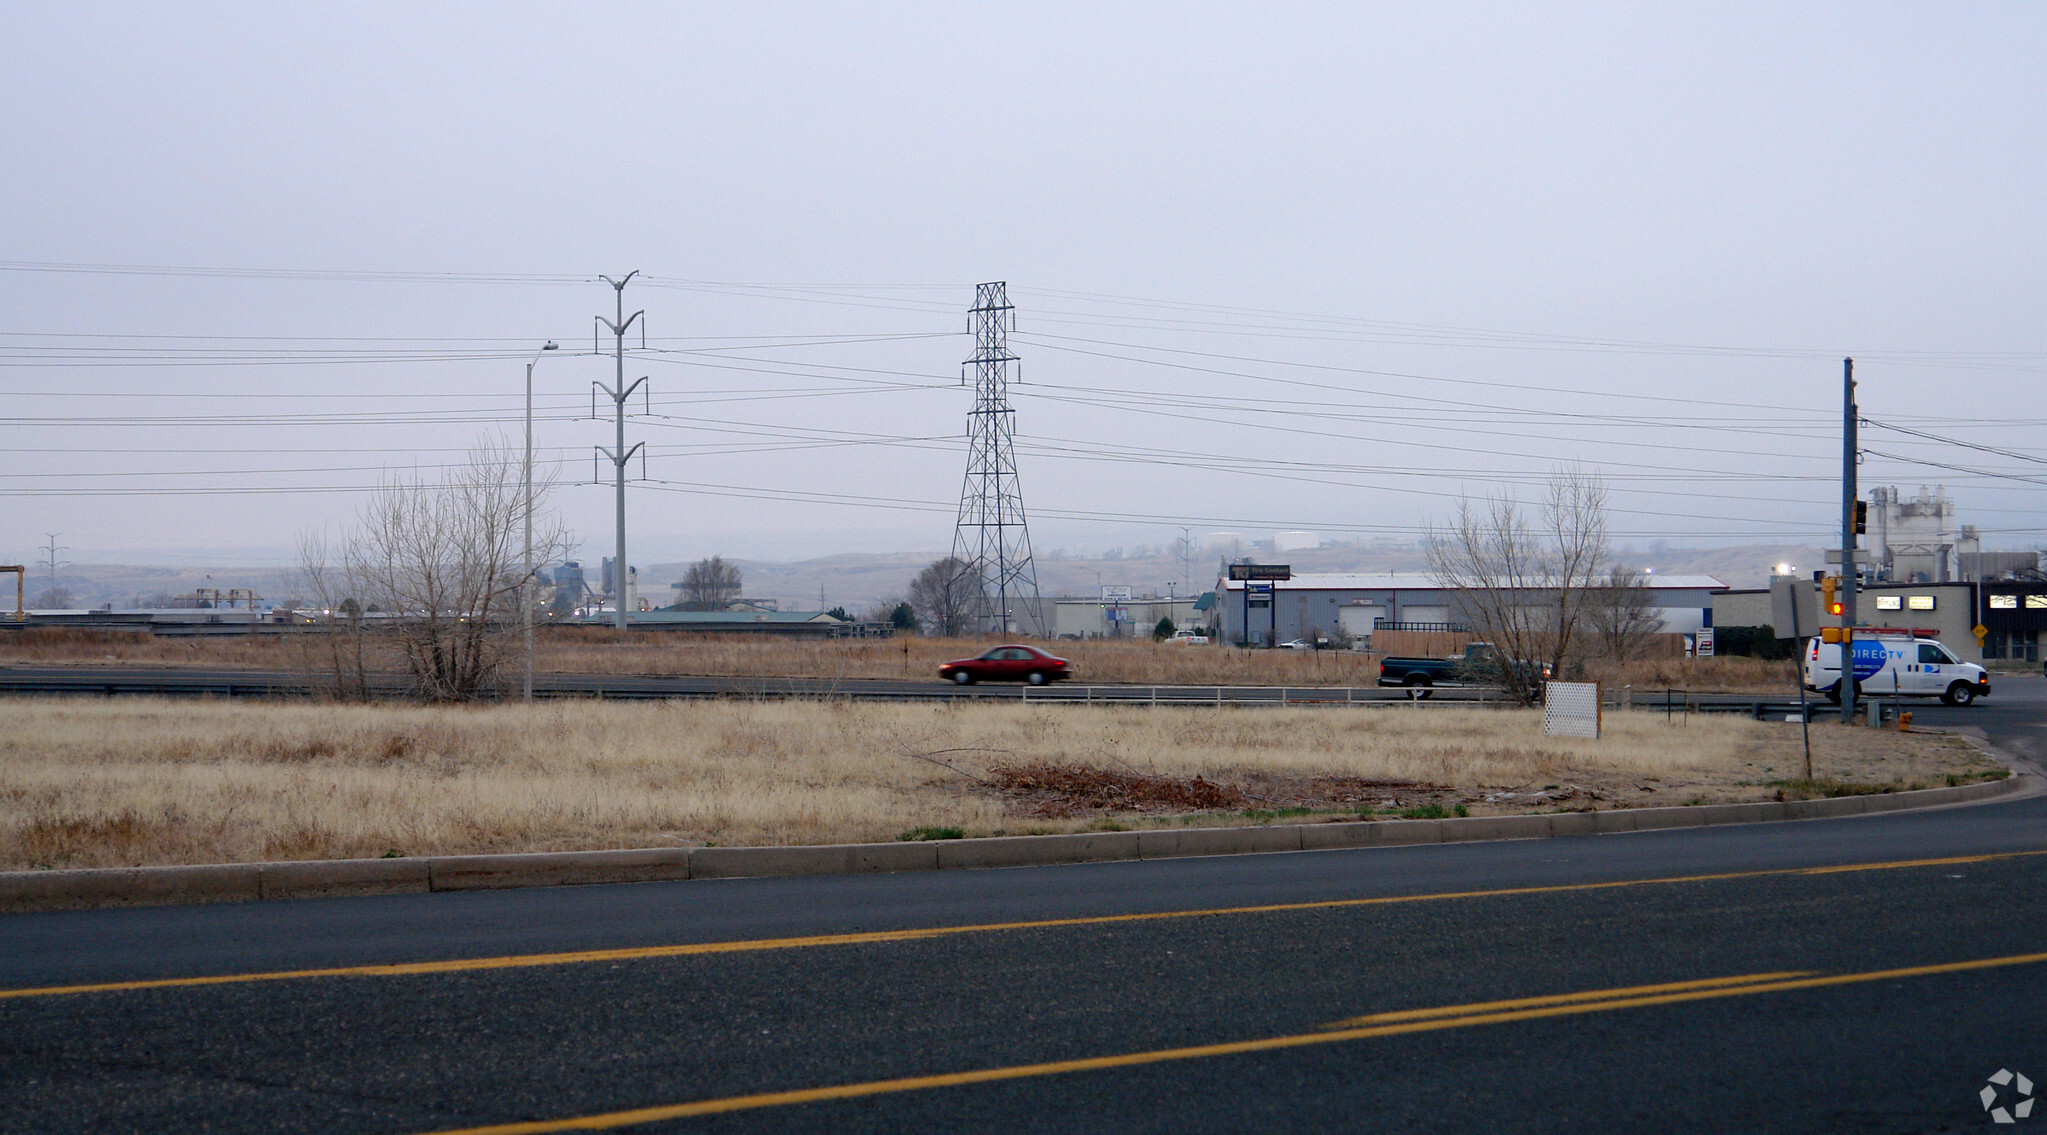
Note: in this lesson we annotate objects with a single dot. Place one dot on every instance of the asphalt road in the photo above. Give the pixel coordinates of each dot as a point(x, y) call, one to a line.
point(1864, 974)
point(226, 682)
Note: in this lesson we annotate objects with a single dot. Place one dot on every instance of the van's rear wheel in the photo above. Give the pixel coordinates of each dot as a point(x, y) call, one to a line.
point(1834, 692)
point(1961, 693)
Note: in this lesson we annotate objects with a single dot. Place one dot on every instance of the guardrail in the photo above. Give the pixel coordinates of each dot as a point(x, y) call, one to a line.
point(1674, 703)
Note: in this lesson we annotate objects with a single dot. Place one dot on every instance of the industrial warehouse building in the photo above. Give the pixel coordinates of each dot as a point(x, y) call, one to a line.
point(1353, 606)
point(1121, 618)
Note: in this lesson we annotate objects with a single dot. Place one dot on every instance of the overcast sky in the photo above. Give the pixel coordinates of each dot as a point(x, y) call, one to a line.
point(1275, 266)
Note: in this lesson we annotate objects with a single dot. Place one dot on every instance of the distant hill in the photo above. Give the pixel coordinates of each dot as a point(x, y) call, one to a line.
point(859, 581)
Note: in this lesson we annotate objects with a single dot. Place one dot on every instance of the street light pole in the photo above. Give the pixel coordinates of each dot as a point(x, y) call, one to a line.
point(1102, 598)
point(526, 580)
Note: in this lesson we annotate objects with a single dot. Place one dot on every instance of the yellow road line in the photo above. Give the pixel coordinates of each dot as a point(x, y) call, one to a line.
point(1562, 999)
point(636, 953)
point(1449, 1017)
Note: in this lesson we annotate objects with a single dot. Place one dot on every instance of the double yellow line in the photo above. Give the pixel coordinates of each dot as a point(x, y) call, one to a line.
point(690, 949)
point(1354, 1028)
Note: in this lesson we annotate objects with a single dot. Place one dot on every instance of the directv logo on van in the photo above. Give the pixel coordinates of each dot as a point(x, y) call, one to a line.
point(1870, 656)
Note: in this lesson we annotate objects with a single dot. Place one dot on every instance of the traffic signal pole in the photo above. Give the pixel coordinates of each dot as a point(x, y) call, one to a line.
point(1847, 592)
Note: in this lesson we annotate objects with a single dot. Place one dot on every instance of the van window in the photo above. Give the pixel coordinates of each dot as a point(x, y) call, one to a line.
point(1931, 654)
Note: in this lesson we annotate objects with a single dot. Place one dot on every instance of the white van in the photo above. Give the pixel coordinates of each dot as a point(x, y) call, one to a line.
point(1891, 664)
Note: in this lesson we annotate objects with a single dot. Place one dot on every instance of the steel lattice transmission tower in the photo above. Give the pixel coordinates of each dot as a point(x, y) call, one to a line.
point(991, 538)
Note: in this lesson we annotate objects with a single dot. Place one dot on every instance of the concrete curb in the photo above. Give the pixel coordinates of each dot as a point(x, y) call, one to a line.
point(250, 882)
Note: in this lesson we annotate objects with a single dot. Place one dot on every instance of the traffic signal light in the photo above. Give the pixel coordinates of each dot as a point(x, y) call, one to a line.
point(1829, 590)
point(1861, 517)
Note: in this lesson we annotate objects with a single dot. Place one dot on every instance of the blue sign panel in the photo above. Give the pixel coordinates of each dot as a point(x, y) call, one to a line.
point(1869, 658)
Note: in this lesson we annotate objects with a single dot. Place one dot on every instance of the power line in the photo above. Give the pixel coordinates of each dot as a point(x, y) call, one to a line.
point(1956, 468)
point(1979, 447)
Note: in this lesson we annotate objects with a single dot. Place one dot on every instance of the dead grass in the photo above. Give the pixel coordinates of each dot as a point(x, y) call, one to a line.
point(91, 783)
point(1727, 674)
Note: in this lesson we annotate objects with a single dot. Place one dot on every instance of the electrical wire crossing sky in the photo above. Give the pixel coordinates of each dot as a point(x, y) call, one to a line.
point(1316, 268)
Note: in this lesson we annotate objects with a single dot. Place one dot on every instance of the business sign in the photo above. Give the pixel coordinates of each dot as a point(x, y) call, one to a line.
point(1115, 595)
point(1261, 571)
point(1259, 588)
point(1703, 646)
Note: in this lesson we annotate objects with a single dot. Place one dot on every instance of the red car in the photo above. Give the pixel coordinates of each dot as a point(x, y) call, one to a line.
point(1012, 663)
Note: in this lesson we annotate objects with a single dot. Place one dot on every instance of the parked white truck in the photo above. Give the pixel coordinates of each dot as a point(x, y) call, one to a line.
point(1895, 663)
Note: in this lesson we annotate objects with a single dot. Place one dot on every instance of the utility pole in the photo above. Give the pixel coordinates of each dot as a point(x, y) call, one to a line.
point(991, 537)
point(50, 561)
point(526, 578)
point(1847, 541)
point(619, 454)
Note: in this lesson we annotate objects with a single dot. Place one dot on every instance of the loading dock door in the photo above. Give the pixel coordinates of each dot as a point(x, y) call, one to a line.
point(1357, 621)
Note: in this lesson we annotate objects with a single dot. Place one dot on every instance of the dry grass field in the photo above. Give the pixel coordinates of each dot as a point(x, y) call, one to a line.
point(90, 783)
point(597, 651)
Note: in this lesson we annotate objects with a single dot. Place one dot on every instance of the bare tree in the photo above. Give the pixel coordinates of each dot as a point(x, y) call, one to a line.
point(893, 610)
point(1522, 582)
point(53, 599)
point(1618, 614)
point(945, 596)
point(427, 584)
point(710, 585)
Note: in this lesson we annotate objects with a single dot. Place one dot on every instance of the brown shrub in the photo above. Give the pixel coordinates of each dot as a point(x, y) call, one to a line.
point(1051, 788)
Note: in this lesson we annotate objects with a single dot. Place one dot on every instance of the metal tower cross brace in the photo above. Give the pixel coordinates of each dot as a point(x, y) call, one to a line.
point(991, 539)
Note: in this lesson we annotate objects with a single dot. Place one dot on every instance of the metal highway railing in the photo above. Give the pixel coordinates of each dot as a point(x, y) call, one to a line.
point(1673, 702)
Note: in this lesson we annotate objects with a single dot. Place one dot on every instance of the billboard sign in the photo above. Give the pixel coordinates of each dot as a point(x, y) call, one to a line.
point(1261, 571)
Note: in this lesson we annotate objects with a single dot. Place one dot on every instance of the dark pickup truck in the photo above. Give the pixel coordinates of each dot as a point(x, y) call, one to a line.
point(1480, 665)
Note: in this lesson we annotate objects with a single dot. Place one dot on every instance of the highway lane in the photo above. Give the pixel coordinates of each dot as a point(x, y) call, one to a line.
point(223, 682)
point(228, 682)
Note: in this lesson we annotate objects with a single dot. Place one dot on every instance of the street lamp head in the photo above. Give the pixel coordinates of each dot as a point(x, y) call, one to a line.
point(550, 346)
